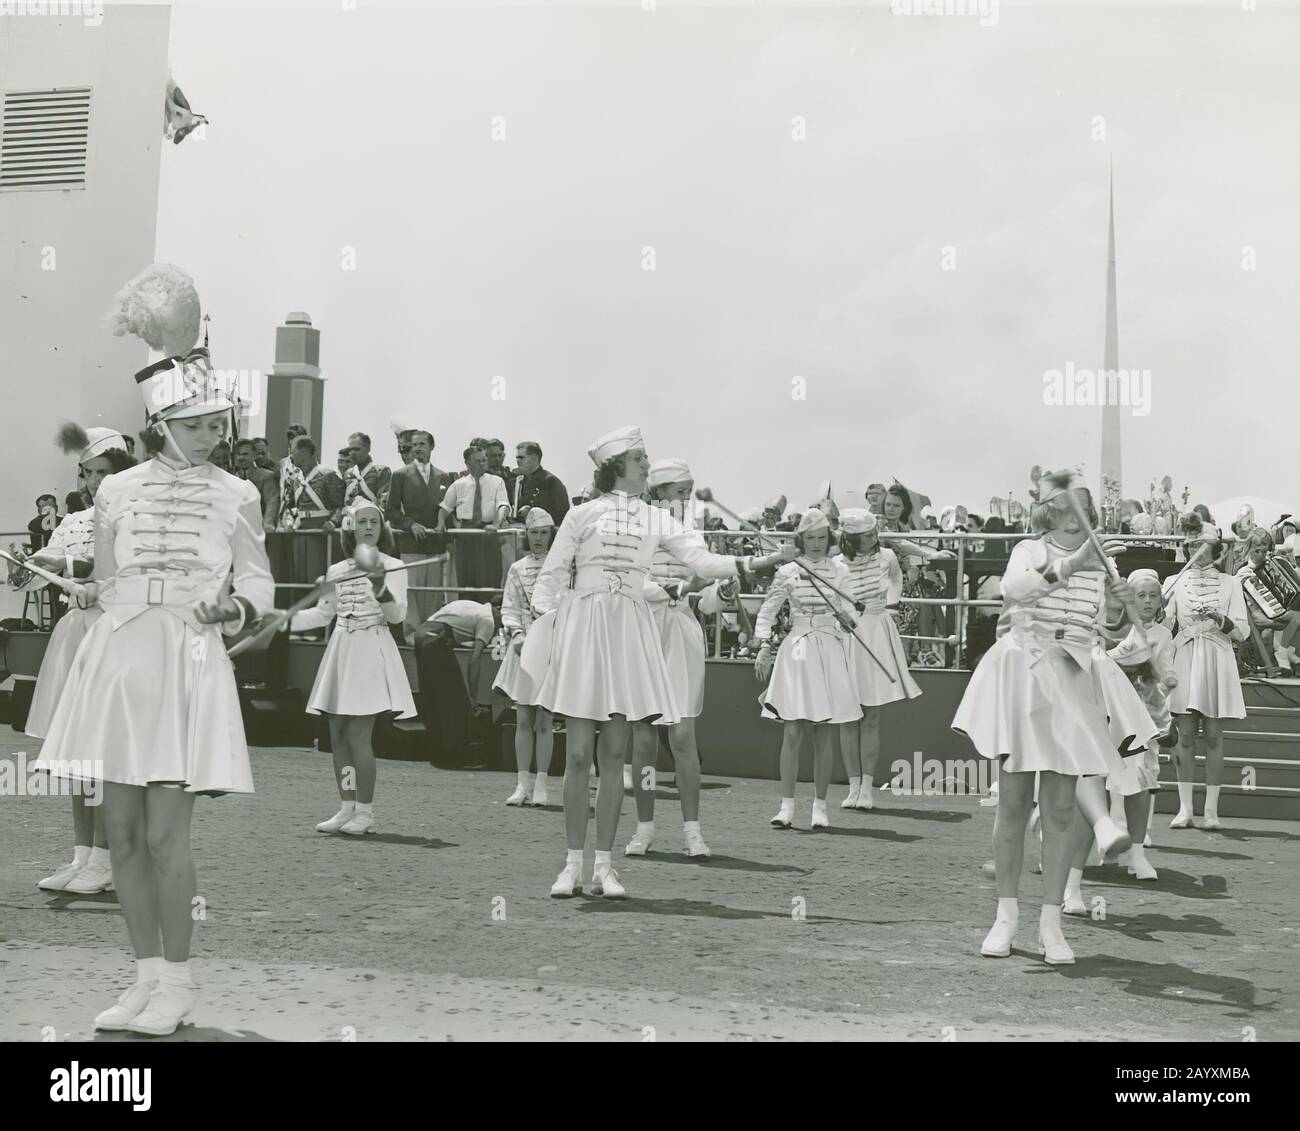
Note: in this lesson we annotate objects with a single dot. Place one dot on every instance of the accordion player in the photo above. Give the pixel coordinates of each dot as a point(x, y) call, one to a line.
point(1273, 586)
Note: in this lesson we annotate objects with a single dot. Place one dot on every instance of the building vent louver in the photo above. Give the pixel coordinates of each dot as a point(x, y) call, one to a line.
point(44, 139)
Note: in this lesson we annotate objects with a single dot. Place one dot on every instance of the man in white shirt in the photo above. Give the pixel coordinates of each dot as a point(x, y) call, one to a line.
point(447, 700)
point(478, 501)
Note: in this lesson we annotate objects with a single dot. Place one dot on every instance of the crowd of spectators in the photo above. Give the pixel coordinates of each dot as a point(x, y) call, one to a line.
point(461, 525)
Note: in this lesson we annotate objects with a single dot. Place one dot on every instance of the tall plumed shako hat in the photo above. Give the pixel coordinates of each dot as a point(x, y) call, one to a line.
point(180, 387)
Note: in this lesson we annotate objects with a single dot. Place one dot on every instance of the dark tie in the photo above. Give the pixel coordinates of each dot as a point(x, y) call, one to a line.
point(478, 499)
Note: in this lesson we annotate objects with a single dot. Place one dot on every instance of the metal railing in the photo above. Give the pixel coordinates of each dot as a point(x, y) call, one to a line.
point(960, 603)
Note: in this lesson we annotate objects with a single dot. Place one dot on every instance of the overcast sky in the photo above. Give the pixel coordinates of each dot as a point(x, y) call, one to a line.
point(774, 258)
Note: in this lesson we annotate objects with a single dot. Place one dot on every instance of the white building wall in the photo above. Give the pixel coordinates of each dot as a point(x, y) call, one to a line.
point(57, 362)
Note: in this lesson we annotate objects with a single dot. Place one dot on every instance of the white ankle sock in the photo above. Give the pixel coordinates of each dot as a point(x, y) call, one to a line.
point(1009, 909)
point(148, 969)
point(347, 807)
point(1074, 883)
point(176, 973)
point(645, 830)
point(521, 779)
point(80, 854)
point(366, 807)
point(602, 860)
point(574, 857)
point(1186, 792)
point(689, 827)
point(1212, 800)
point(787, 803)
point(868, 780)
point(855, 785)
point(98, 857)
point(1049, 919)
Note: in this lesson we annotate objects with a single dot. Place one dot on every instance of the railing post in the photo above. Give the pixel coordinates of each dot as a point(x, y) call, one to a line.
point(960, 582)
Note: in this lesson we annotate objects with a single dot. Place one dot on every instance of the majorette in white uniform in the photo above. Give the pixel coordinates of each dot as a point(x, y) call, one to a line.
point(1038, 695)
point(812, 674)
point(876, 581)
point(73, 538)
point(602, 655)
point(151, 693)
point(361, 672)
point(1204, 661)
point(680, 631)
point(517, 617)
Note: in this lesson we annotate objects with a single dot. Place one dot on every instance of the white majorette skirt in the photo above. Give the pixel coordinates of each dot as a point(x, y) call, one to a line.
point(878, 632)
point(1130, 723)
point(682, 637)
point(512, 681)
point(361, 673)
point(153, 700)
point(57, 663)
point(1036, 706)
point(598, 654)
point(812, 678)
point(1208, 682)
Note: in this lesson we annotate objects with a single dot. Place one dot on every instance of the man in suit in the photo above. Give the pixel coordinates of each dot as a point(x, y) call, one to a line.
point(268, 485)
point(415, 492)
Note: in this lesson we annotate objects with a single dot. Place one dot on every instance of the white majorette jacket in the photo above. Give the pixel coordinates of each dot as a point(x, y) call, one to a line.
point(875, 580)
point(353, 604)
point(1201, 589)
point(516, 599)
point(612, 542)
point(73, 540)
point(812, 608)
point(1043, 614)
point(171, 536)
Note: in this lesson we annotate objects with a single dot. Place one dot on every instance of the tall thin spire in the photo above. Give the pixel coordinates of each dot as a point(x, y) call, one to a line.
point(1111, 458)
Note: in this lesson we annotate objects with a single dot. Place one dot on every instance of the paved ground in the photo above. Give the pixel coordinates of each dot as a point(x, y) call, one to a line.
point(441, 929)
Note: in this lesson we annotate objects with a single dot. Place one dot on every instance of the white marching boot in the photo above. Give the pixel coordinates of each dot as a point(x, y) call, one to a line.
point(820, 818)
point(168, 1006)
point(539, 790)
point(568, 882)
point(341, 818)
point(784, 818)
point(997, 943)
point(129, 1006)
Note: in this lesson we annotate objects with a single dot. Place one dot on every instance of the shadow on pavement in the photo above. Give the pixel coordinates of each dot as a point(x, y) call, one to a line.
point(398, 838)
point(723, 863)
point(187, 1033)
point(1168, 981)
point(1201, 852)
point(1171, 882)
point(948, 816)
point(871, 834)
point(693, 909)
point(1143, 927)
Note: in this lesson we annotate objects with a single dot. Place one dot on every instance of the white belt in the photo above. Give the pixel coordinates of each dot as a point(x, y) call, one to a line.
point(817, 620)
point(144, 589)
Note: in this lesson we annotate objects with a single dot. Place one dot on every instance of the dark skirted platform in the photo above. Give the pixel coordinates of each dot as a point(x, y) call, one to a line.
point(1262, 753)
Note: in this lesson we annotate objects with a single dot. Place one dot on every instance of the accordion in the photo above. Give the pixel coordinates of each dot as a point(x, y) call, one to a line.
point(1274, 588)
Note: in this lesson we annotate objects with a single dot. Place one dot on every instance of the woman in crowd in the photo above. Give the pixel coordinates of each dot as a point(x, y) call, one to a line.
point(71, 552)
point(812, 686)
point(534, 725)
point(876, 583)
point(1034, 704)
point(601, 664)
point(671, 487)
point(912, 619)
point(151, 694)
point(1208, 609)
point(361, 675)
